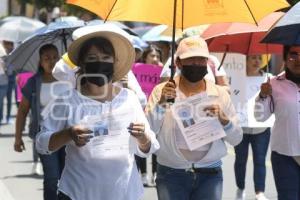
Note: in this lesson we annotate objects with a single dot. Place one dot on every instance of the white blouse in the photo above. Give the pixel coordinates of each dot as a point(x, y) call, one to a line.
point(285, 137)
point(50, 91)
point(105, 167)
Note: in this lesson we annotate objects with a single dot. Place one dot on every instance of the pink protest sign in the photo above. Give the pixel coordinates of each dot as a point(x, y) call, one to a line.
point(147, 75)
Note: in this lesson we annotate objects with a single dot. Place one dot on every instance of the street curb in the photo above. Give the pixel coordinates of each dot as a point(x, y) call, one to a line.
point(4, 192)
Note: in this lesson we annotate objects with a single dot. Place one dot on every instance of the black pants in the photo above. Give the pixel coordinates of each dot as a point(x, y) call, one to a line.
point(62, 196)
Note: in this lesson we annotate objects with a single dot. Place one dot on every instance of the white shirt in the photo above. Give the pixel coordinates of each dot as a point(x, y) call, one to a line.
point(168, 133)
point(50, 91)
point(90, 172)
point(285, 137)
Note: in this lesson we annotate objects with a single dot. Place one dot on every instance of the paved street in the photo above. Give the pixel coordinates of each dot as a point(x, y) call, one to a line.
point(17, 183)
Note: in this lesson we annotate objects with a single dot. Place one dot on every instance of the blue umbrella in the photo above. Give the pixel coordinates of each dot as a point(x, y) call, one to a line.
point(25, 57)
point(287, 30)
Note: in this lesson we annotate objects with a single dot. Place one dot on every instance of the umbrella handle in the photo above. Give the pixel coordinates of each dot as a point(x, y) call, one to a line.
point(222, 61)
point(171, 101)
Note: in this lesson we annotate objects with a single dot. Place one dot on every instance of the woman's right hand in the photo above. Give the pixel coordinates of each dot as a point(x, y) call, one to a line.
point(265, 89)
point(80, 135)
point(19, 145)
point(168, 92)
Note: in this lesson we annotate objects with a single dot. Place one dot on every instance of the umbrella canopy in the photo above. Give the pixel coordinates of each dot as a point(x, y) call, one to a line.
point(25, 57)
point(17, 29)
point(188, 13)
point(241, 37)
point(161, 33)
point(118, 24)
point(287, 29)
point(164, 33)
point(181, 14)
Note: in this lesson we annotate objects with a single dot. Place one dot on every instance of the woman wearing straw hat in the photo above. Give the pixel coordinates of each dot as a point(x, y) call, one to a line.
point(102, 125)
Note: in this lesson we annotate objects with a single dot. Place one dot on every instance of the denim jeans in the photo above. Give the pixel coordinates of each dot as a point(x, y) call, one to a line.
point(286, 173)
point(10, 89)
point(3, 90)
point(53, 165)
point(179, 184)
point(259, 143)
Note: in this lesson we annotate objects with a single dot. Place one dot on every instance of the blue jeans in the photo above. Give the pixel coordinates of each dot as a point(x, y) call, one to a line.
point(10, 89)
point(259, 143)
point(179, 184)
point(286, 173)
point(3, 90)
point(52, 166)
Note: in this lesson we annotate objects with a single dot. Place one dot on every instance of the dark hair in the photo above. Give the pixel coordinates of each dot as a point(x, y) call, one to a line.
point(42, 50)
point(148, 50)
point(102, 44)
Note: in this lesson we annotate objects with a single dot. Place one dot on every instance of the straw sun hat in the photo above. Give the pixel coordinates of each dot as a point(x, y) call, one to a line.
point(124, 51)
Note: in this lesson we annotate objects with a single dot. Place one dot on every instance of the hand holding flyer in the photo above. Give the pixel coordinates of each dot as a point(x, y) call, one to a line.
point(196, 127)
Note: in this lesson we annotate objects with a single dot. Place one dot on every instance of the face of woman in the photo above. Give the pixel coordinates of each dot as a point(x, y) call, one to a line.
point(48, 59)
point(95, 55)
point(254, 62)
point(153, 58)
point(293, 60)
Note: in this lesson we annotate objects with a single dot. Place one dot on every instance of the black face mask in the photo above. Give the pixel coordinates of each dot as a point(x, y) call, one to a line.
point(101, 72)
point(194, 73)
point(291, 76)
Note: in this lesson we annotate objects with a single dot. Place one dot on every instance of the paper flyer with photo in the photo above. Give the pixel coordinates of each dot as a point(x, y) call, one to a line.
point(109, 131)
point(196, 127)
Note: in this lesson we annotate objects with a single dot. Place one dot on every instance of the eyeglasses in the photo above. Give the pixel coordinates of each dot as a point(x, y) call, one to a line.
point(293, 55)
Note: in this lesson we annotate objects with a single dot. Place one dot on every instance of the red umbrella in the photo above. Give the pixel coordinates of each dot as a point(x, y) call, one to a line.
point(241, 37)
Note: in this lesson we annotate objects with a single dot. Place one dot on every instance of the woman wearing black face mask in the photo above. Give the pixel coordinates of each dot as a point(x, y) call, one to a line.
point(102, 125)
point(285, 92)
point(183, 173)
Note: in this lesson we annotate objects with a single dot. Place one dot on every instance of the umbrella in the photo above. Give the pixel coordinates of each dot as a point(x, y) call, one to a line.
point(25, 57)
point(181, 14)
point(287, 30)
point(241, 37)
point(164, 33)
point(118, 24)
point(17, 29)
point(161, 33)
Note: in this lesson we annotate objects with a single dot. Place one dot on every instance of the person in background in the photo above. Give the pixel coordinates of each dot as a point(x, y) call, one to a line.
point(151, 55)
point(21, 80)
point(37, 93)
point(3, 80)
point(183, 173)
point(165, 48)
point(258, 138)
point(102, 125)
point(9, 47)
point(280, 96)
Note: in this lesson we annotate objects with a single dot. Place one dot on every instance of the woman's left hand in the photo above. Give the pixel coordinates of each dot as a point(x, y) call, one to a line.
point(137, 130)
point(215, 111)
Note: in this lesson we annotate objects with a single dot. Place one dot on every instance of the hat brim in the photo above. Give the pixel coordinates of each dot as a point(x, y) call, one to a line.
point(124, 51)
point(193, 54)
